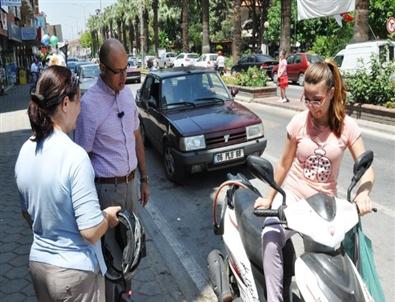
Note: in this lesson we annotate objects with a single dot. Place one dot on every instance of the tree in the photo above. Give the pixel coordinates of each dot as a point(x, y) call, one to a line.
point(86, 40)
point(285, 37)
point(205, 24)
point(184, 25)
point(155, 5)
point(236, 30)
point(361, 26)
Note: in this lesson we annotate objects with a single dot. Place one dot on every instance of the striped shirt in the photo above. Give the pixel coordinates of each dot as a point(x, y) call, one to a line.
point(105, 129)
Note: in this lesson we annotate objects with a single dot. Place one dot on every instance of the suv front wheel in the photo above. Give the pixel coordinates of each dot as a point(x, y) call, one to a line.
point(174, 172)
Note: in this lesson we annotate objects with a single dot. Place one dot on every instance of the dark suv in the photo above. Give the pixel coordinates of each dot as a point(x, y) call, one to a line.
point(190, 117)
point(296, 66)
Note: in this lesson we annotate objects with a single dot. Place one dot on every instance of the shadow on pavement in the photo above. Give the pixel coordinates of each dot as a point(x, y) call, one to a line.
point(15, 99)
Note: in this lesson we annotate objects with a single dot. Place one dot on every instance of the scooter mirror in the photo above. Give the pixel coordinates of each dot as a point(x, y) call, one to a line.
point(362, 163)
point(262, 168)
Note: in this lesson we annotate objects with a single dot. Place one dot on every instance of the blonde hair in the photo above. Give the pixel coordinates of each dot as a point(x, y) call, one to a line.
point(329, 73)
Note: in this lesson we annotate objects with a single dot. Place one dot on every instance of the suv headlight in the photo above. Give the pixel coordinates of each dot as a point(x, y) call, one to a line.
point(254, 131)
point(192, 143)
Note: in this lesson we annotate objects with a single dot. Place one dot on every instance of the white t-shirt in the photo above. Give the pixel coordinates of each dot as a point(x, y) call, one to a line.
point(221, 61)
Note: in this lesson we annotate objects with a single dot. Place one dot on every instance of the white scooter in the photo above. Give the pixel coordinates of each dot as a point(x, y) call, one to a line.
point(323, 272)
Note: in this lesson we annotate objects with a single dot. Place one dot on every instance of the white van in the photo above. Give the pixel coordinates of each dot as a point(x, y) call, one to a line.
point(358, 55)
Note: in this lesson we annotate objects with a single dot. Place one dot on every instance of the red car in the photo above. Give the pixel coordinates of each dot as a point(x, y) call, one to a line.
point(296, 66)
point(133, 73)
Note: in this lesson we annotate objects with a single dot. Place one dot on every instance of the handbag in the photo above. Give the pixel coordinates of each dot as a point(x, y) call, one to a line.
point(359, 248)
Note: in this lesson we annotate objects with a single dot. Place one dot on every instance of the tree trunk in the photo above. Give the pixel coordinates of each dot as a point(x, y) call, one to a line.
point(254, 27)
point(264, 5)
point(111, 35)
point(361, 25)
point(119, 30)
point(236, 45)
point(155, 6)
point(146, 32)
point(131, 36)
point(285, 37)
point(124, 37)
point(184, 25)
point(206, 33)
point(138, 33)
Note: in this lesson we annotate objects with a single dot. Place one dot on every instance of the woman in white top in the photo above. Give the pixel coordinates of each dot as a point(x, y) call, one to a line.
point(283, 76)
point(55, 180)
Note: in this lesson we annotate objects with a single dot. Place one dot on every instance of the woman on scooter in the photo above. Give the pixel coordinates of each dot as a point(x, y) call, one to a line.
point(310, 162)
point(55, 180)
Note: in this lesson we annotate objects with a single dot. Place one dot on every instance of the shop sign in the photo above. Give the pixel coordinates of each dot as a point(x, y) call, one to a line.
point(28, 33)
point(3, 20)
point(14, 32)
point(11, 2)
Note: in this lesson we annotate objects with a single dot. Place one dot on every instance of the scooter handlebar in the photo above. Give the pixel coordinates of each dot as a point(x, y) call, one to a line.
point(266, 212)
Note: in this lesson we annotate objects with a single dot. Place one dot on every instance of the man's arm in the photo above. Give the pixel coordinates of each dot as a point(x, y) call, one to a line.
point(144, 189)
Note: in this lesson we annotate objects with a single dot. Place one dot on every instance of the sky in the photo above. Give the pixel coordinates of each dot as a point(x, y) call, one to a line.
point(71, 14)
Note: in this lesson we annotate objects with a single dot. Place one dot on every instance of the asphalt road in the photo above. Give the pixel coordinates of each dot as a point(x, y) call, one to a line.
point(181, 215)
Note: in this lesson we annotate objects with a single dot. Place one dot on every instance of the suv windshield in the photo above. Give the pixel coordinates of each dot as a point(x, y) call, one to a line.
point(197, 88)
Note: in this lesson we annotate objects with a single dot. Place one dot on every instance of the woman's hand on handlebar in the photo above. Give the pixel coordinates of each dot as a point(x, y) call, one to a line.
point(262, 203)
point(364, 204)
point(110, 214)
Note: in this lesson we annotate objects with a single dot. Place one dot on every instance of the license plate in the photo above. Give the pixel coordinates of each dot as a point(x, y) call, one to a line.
point(228, 155)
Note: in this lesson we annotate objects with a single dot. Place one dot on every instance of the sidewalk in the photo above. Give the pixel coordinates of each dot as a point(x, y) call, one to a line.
point(152, 282)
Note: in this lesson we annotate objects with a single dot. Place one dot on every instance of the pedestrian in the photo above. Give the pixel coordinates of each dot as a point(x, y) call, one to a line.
point(55, 180)
point(220, 63)
point(108, 129)
point(310, 162)
point(35, 70)
point(283, 76)
point(151, 65)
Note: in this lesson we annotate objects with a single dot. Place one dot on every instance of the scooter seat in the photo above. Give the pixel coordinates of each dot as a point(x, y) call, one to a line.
point(250, 225)
point(250, 229)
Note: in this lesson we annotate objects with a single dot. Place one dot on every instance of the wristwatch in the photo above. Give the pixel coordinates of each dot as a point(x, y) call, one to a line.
point(144, 179)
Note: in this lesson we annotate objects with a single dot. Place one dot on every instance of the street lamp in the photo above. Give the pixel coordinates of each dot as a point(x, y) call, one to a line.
point(266, 26)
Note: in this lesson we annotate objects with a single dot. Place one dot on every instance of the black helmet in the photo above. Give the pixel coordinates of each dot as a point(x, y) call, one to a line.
point(124, 246)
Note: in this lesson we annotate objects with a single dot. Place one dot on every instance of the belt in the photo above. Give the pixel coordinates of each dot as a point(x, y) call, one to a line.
point(115, 180)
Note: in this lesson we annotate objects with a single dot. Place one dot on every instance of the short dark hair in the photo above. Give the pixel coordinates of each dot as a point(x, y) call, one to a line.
point(55, 83)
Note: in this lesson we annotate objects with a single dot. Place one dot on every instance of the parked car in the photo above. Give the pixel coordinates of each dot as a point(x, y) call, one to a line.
point(185, 59)
point(208, 60)
point(296, 66)
point(133, 73)
point(166, 59)
point(190, 117)
point(358, 55)
point(77, 65)
point(265, 62)
point(88, 75)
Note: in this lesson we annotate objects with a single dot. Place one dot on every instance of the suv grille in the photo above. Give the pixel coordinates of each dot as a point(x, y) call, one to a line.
point(218, 139)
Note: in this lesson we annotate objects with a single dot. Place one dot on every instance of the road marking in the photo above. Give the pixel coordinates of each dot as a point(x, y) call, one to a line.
point(188, 262)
